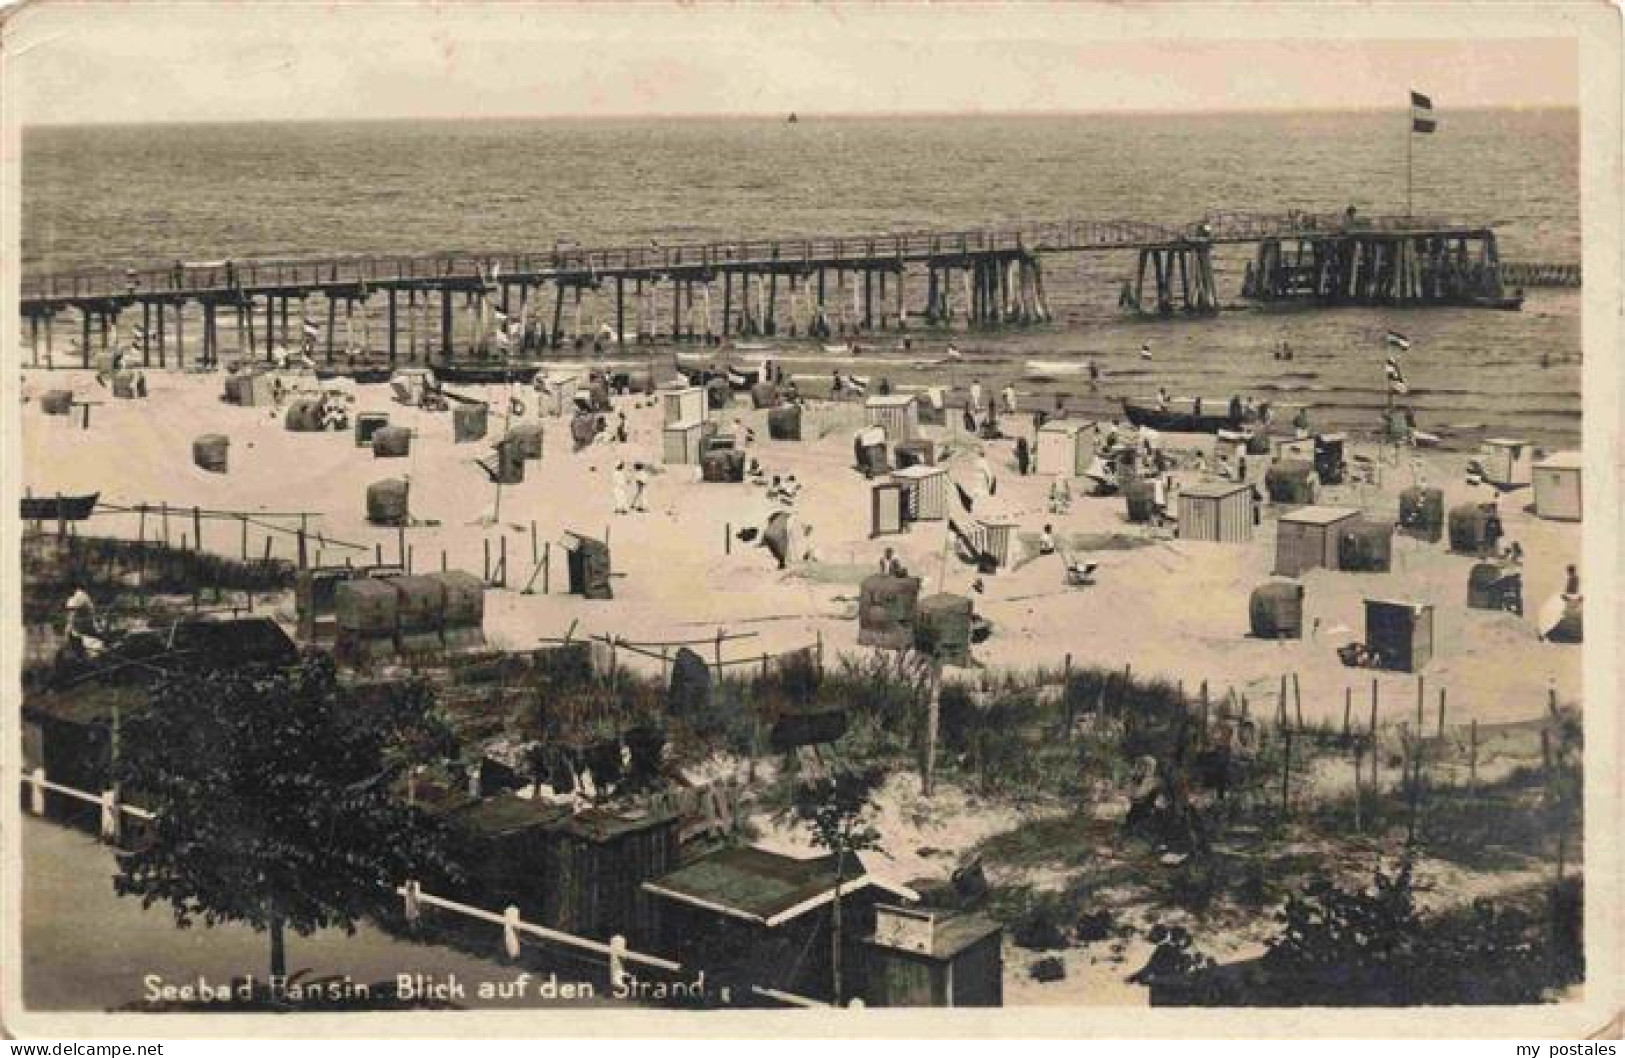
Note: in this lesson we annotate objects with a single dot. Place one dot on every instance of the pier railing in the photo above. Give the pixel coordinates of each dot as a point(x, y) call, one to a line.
point(223, 279)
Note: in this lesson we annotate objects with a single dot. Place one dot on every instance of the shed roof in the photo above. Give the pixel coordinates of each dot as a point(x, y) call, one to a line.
point(1214, 490)
point(1505, 442)
point(761, 886)
point(890, 400)
point(1319, 515)
point(918, 470)
point(1562, 461)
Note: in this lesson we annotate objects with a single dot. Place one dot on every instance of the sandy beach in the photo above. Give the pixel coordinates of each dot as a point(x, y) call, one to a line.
point(1172, 608)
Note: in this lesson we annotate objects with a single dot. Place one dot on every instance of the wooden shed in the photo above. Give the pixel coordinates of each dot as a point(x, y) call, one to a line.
point(930, 958)
point(684, 405)
point(1399, 633)
point(1220, 511)
point(1558, 489)
point(750, 917)
point(888, 508)
point(589, 566)
point(998, 539)
point(681, 442)
point(1299, 449)
point(1307, 538)
point(598, 863)
point(1506, 461)
point(1064, 447)
point(896, 413)
point(927, 491)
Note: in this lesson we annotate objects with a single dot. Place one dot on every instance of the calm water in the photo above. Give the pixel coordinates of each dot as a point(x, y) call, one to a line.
point(93, 195)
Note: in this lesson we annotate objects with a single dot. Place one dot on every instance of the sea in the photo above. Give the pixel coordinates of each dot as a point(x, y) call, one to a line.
point(99, 195)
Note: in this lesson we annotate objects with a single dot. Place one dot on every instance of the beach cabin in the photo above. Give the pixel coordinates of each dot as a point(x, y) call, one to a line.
point(1506, 462)
point(942, 628)
point(682, 443)
point(886, 611)
point(934, 958)
point(1295, 448)
point(1220, 511)
point(784, 423)
point(685, 405)
point(1307, 538)
point(763, 919)
point(998, 537)
point(1064, 447)
point(1399, 633)
point(1275, 610)
point(1558, 490)
point(927, 488)
point(888, 508)
point(599, 860)
point(589, 566)
point(896, 413)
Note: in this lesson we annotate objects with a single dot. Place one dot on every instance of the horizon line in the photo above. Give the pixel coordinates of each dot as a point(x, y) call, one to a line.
point(782, 115)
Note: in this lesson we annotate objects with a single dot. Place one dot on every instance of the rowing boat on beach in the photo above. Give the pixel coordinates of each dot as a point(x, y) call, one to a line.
point(1182, 415)
point(484, 374)
point(1054, 368)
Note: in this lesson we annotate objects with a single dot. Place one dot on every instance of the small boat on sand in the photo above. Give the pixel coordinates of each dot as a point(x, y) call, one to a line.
point(1054, 368)
point(484, 374)
point(1182, 415)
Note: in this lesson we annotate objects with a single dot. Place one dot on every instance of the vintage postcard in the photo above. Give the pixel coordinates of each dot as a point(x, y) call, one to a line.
point(732, 519)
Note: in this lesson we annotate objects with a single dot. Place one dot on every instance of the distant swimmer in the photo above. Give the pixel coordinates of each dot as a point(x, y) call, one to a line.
point(1145, 350)
point(1545, 360)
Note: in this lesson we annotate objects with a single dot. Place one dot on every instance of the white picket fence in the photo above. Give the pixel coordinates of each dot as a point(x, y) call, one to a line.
point(616, 952)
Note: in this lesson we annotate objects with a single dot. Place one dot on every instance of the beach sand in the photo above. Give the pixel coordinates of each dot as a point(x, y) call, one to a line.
point(1176, 609)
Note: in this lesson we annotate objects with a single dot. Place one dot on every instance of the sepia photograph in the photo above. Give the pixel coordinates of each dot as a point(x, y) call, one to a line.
point(761, 514)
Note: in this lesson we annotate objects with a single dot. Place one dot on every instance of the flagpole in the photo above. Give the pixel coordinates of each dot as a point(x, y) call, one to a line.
point(1410, 134)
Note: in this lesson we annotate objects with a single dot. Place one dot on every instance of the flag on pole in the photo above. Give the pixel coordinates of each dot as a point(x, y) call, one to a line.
point(1397, 340)
point(1422, 119)
point(1396, 377)
point(311, 330)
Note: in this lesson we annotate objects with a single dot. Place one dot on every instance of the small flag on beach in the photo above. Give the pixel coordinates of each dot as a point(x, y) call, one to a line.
point(1422, 119)
point(1396, 377)
point(311, 330)
point(1397, 340)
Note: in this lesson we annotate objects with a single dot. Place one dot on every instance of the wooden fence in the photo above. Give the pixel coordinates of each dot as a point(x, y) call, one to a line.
point(616, 952)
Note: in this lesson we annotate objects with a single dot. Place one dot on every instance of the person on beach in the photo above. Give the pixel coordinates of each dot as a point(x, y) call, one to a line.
point(1060, 496)
point(1159, 500)
point(617, 484)
point(1145, 350)
point(1010, 399)
point(976, 396)
point(1300, 423)
point(970, 418)
point(620, 428)
point(1094, 374)
point(1162, 398)
point(1046, 540)
point(986, 482)
point(1023, 457)
point(640, 487)
point(1571, 584)
point(889, 565)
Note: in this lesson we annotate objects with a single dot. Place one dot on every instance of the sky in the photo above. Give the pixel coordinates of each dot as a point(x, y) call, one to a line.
point(137, 61)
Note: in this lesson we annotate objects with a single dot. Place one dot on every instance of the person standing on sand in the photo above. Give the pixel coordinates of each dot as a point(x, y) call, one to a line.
point(1009, 398)
point(976, 396)
point(984, 474)
point(618, 487)
point(640, 487)
point(1023, 457)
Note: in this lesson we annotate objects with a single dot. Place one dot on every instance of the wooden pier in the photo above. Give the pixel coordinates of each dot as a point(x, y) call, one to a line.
point(521, 303)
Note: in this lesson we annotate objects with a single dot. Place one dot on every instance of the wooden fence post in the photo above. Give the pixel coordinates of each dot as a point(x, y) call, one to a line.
point(110, 816)
point(617, 961)
point(510, 931)
point(36, 791)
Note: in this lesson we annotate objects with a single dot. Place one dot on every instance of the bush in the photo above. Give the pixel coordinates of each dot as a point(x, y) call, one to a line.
point(1047, 969)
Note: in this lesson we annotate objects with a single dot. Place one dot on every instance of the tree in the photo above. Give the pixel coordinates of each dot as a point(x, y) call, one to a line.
point(837, 812)
point(273, 802)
